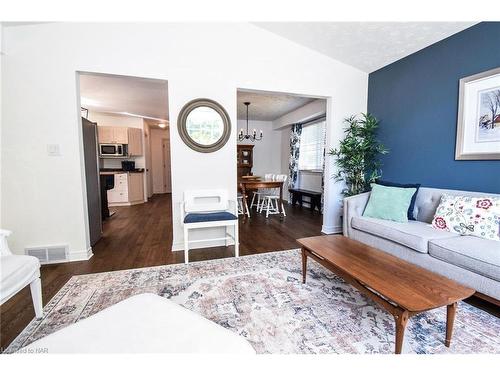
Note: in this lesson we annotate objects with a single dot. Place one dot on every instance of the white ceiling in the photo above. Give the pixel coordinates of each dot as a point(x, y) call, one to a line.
point(367, 46)
point(268, 106)
point(142, 97)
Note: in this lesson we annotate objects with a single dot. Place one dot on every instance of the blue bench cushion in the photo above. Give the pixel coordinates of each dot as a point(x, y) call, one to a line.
point(211, 216)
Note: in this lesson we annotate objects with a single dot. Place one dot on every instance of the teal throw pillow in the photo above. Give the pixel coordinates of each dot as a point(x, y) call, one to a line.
point(389, 203)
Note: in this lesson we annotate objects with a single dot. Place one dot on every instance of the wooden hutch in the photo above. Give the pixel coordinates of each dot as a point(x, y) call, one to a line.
point(245, 160)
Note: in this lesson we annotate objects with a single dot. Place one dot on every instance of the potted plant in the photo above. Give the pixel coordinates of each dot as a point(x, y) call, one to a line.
point(357, 156)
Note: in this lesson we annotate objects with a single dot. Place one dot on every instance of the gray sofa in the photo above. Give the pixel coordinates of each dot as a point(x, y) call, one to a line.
point(471, 261)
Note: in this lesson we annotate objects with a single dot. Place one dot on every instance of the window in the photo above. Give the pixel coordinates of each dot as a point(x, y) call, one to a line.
point(312, 143)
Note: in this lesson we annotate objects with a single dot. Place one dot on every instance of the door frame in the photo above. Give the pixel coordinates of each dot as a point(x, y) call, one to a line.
point(165, 156)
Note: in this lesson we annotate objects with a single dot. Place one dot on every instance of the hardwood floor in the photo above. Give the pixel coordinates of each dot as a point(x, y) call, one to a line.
point(140, 236)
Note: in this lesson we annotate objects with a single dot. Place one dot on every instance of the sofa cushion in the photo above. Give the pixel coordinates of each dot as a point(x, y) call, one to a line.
point(472, 253)
point(475, 216)
point(412, 234)
point(389, 203)
point(413, 198)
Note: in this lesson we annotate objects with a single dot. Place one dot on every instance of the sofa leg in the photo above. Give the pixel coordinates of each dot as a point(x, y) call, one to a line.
point(36, 296)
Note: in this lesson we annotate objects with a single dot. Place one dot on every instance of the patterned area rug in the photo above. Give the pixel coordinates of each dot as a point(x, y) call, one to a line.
point(261, 297)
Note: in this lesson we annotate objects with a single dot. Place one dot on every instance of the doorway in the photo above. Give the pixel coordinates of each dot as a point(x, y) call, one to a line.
point(121, 117)
point(281, 140)
point(159, 167)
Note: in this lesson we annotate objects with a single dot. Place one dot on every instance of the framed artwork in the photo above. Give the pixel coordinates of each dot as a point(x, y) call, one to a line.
point(478, 126)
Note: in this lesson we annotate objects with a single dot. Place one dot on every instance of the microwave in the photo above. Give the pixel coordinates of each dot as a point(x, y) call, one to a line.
point(111, 150)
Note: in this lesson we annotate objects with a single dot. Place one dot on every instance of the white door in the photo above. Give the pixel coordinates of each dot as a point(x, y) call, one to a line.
point(166, 166)
point(149, 165)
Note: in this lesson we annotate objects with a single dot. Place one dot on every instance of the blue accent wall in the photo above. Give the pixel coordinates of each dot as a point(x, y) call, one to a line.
point(416, 101)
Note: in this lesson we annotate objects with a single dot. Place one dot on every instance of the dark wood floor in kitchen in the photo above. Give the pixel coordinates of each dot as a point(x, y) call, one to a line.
point(141, 236)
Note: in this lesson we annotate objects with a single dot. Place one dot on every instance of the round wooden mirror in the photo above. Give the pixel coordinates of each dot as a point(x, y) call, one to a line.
point(204, 125)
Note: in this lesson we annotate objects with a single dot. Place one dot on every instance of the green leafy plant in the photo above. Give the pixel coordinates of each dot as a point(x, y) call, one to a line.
point(357, 156)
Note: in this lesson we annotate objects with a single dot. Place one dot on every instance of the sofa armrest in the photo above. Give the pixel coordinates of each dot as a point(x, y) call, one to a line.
point(353, 206)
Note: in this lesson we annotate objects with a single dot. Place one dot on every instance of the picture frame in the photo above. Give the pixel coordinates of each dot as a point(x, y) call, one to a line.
point(478, 121)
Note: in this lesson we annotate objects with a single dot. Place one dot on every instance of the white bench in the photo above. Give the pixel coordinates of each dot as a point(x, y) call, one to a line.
point(207, 209)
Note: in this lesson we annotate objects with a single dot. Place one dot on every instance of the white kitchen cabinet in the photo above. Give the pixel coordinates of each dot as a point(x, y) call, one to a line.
point(128, 190)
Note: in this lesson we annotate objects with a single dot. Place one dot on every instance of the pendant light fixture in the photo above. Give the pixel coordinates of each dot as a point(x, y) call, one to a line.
point(253, 137)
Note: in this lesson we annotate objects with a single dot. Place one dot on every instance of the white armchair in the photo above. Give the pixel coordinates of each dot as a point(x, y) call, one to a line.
point(16, 272)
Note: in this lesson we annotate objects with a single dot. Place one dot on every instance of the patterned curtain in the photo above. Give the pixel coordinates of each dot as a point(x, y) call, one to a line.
point(294, 156)
point(323, 173)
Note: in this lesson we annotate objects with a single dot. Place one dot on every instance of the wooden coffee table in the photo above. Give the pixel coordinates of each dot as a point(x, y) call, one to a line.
point(402, 288)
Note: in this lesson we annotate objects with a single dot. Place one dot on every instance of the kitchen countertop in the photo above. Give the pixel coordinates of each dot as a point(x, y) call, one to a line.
point(117, 171)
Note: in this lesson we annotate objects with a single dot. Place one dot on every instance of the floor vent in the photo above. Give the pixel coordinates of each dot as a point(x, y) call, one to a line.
point(49, 254)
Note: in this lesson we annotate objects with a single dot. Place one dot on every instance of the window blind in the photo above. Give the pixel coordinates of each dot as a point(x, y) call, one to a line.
point(312, 143)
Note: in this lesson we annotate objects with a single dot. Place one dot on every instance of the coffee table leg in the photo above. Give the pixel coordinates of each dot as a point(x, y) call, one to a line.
point(450, 319)
point(304, 265)
point(401, 320)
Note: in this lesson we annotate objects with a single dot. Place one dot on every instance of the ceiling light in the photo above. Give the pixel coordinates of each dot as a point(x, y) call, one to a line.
point(162, 125)
point(253, 137)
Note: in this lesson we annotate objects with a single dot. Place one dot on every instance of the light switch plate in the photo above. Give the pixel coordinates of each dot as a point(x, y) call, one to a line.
point(53, 150)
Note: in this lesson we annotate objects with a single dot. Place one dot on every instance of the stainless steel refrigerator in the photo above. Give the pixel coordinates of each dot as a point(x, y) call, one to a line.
point(90, 149)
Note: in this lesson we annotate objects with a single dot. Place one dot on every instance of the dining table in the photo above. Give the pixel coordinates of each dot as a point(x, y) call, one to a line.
point(247, 184)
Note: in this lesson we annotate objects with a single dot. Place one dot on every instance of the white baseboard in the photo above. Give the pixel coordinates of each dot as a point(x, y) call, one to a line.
point(331, 229)
point(179, 246)
point(76, 256)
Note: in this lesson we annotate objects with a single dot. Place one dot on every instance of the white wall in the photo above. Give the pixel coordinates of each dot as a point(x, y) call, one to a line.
point(285, 149)
point(1, 59)
point(310, 180)
point(266, 152)
point(306, 112)
point(43, 198)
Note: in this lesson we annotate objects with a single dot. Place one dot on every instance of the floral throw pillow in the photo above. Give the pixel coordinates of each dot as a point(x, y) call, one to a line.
point(472, 216)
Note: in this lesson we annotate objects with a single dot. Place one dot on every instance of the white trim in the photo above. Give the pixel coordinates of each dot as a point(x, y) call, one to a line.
point(331, 230)
point(312, 171)
point(179, 246)
point(124, 204)
point(76, 256)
